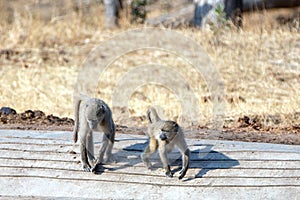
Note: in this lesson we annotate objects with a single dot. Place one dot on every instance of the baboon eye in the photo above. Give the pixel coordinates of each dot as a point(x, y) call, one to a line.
point(101, 110)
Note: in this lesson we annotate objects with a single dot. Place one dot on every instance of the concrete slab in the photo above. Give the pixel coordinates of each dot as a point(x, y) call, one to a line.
point(42, 164)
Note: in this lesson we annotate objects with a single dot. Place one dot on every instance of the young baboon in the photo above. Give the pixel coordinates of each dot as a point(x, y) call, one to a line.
point(164, 136)
point(93, 114)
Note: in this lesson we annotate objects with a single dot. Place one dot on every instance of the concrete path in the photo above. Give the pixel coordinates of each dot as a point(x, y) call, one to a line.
point(45, 164)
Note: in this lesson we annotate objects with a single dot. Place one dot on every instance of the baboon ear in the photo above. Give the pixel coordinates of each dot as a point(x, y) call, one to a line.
point(176, 125)
point(102, 108)
point(148, 116)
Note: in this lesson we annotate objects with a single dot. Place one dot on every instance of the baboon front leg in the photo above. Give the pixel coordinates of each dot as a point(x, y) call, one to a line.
point(84, 160)
point(149, 150)
point(90, 148)
point(84, 152)
point(103, 147)
point(163, 156)
point(185, 163)
point(185, 153)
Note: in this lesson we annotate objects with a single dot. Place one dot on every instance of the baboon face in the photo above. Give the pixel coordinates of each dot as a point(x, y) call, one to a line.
point(94, 114)
point(93, 124)
point(168, 130)
point(164, 135)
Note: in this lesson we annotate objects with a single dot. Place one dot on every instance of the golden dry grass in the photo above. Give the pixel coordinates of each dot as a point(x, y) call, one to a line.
point(259, 65)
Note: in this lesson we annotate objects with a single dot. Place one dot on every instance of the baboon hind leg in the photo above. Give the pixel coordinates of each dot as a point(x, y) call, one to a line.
point(108, 153)
point(149, 150)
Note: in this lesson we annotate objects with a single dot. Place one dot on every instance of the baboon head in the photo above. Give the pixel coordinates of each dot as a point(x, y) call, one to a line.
point(95, 113)
point(168, 130)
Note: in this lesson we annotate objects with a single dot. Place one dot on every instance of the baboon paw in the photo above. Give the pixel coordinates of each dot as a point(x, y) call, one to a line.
point(86, 168)
point(148, 165)
point(169, 174)
point(182, 173)
point(150, 168)
point(93, 163)
point(181, 176)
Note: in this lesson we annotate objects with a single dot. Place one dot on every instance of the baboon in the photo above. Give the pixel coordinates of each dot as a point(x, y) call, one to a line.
point(164, 136)
point(92, 114)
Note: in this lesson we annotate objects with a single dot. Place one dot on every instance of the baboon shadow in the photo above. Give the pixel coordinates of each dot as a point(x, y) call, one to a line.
point(133, 153)
point(101, 169)
point(128, 156)
point(122, 156)
point(207, 159)
point(137, 149)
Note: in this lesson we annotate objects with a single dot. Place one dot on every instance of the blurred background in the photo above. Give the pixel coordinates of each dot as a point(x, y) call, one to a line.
point(255, 45)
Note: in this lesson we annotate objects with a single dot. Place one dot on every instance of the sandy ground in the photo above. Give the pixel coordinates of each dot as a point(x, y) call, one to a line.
point(246, 129)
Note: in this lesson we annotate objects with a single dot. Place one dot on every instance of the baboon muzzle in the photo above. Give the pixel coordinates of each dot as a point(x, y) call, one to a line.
point(163, 136)
point(93, 124)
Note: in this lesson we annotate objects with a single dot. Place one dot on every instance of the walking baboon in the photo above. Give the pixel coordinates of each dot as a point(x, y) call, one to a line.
point(164, 136)
point(92, 114)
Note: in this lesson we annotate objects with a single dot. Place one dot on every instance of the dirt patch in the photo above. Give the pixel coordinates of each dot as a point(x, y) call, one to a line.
point(33, 120)
point(248, 129)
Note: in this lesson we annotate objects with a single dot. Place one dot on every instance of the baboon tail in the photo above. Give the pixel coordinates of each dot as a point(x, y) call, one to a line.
point(77, 101)
point(152, 115)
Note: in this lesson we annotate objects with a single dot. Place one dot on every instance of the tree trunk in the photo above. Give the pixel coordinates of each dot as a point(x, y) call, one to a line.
point(233, 10)
point(207, 11)
point(111, 13)
point(266, 4)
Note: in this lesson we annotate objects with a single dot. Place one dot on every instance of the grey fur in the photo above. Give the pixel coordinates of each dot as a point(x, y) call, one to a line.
point(164, 136)
point(92, 114)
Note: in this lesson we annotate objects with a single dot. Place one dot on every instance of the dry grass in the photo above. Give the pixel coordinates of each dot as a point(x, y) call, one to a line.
point(40, 60)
